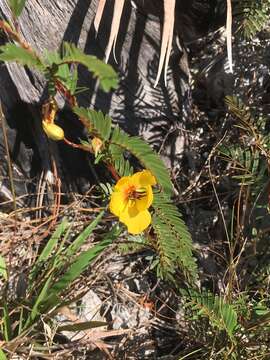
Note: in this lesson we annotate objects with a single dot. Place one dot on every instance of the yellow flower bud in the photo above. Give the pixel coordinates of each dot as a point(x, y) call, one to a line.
point(97, 145)
point(53, 131)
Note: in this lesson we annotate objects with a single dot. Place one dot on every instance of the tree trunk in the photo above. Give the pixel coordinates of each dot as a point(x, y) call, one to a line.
point(155, 113)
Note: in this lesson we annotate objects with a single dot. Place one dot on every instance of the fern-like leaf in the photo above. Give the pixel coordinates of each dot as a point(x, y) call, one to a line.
point(14, 53)
point(123, 167)
point(144, 153)
point(98, 124)
point(173, 242)
point(251, 15)
point(220, 314)
point(104, 72)
point(64, 72)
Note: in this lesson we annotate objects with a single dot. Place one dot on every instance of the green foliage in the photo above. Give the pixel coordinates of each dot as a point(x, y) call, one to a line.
point(106, 189)
point(66, 73)
point(134, 243)
point(147, 157)
point(14, 53)
point(121, 164)
point(173, 241)
point(246, 163)
point(249, 157)
point(251, 16)
point(6, 328)
point(119, 141)
point(3, 268)
point(64, 68)
point(49, 248)
point(16, 6)
point(99, 124)
point(2, 355)
point(75, 270)
point(54, 271)
point(238, 109)
point(104, 72)
point(220, 314)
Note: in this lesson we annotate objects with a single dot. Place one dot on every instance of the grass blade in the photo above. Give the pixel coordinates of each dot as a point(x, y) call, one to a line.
point(2, 355)
point(51, 244)
point(3, 268)
point(77, 243)
point(80, 264)
point(41, 297)
point(7, 331)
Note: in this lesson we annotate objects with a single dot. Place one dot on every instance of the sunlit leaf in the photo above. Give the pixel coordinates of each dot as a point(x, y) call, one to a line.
point(14, 53)
point(16, 6)
point(104, 72)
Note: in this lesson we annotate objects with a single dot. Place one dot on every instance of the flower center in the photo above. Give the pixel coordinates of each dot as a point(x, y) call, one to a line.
point(133, 193)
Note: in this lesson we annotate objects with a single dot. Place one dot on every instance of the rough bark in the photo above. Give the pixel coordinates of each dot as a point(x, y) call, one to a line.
point(158, 114)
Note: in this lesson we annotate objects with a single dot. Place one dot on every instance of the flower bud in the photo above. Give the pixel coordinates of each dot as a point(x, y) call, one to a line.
point(53, 131)
point(97, 145)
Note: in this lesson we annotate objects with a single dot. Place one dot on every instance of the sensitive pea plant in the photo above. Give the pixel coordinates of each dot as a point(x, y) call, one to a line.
point(140, 199)
point(135, 208)
point(110, 145)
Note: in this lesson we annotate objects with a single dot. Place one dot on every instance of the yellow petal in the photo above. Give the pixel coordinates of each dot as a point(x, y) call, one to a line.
point(143, 178)
point(128, 211)
point(117, 203)
point(53, 131)
point(123, 182)
point(146, 201)
point(136, 221)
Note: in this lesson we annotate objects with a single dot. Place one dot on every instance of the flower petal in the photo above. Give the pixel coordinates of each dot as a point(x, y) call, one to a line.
point(117, 203)
point(146, 201)
point(136, 221)
point(122, 183)
point(143, 178)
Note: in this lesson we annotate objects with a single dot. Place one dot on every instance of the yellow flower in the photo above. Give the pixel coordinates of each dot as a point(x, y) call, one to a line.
point(131, 199)
point(53, 131)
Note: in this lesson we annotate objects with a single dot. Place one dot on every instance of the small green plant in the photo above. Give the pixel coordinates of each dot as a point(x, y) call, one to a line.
point(58, 265)
point(109, 144)
point(251, 16)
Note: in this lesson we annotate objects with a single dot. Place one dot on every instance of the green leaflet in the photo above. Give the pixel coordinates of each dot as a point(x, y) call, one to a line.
point(145, 154)
point(14, 53)
point(16, 6)
point(104, 72)
point(99, 124)
point(173, 243)
point(251, 16)
point(220, 314)
point(67, 74)
point(121, 164)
